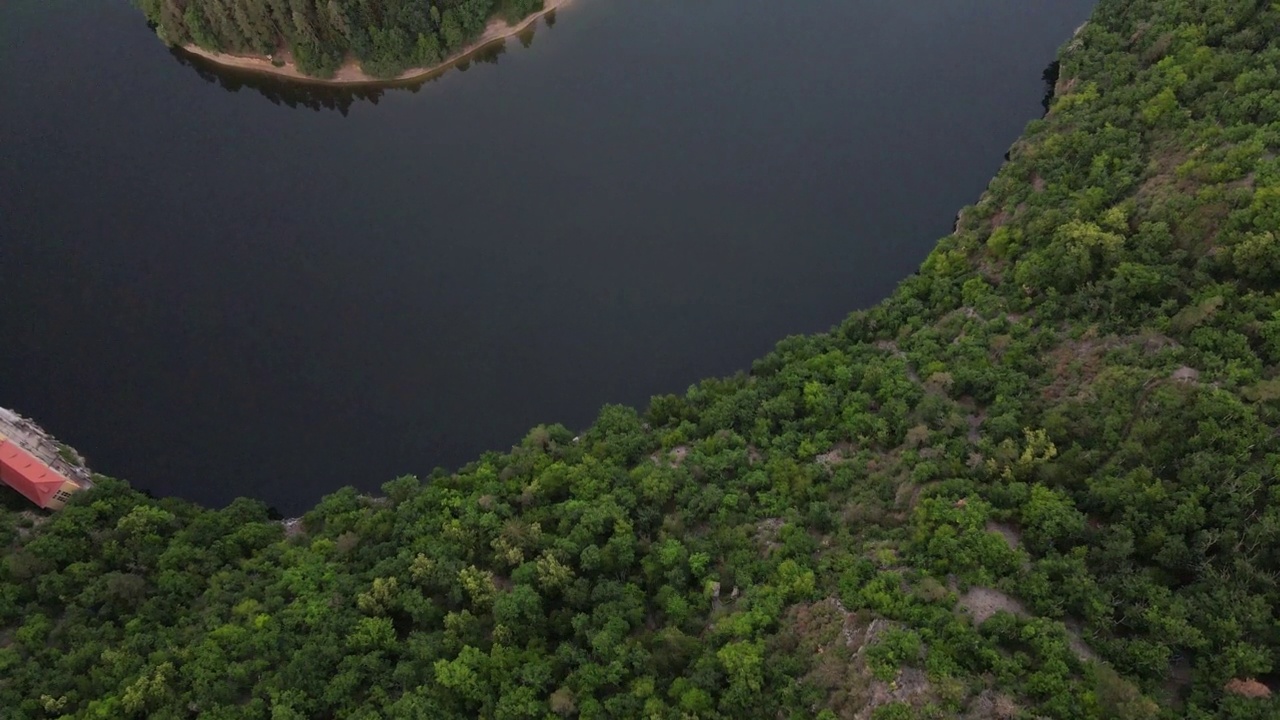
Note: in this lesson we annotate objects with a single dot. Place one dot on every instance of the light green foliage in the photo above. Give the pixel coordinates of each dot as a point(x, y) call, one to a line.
point(1066, 420)
point(896, 649)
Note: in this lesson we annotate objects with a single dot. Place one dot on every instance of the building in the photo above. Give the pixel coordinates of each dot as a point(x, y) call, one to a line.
point(36, 481)
point(33, 464)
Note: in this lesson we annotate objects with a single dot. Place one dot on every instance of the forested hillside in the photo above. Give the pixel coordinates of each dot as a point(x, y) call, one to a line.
point(385, 36)
point(1037, 481)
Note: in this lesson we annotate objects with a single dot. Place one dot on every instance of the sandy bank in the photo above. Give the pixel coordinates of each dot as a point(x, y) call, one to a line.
point(351, 74)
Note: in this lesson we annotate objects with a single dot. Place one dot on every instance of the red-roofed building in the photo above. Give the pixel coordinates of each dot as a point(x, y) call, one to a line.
point(31, 477)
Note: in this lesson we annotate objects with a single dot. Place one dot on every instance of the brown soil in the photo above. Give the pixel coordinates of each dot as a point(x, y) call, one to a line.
point(674, 458)
point(1249, 688)
point(1010, 534)
point(982, 603)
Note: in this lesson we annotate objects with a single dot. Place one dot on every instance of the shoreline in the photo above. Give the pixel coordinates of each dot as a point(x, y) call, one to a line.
point(352, 74)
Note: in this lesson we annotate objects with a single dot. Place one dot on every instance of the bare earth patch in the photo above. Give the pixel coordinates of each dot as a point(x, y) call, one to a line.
point(983, 602)
point(1248, 687)
point(1010, 534)
point(678, 454)
point(836, 455)
point(1076, 363)
point(1077, 644)
point(911, 685)
point(838, 639)
point(673, 458)
point(1065, 86)
point(829, 458)
point(767, 533)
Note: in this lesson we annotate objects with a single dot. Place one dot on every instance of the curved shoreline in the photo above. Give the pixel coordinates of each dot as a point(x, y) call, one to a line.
point(352, 74)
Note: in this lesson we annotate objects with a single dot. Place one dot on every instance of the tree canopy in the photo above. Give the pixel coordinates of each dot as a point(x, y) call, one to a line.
point(1039, 480)
point(385, 36)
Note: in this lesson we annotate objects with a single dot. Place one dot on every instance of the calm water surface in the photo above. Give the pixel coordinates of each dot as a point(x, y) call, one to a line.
point(217, 288)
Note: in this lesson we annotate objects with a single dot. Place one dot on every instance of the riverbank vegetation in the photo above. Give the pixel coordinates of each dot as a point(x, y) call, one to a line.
point(385, 36)
point(1040, 480)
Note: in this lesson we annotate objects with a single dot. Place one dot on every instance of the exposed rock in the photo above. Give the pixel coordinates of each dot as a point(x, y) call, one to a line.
point(1185, 374)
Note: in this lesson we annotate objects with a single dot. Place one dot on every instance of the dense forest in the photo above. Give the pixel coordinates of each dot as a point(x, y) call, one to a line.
point(385, 36)
point(1038, 481)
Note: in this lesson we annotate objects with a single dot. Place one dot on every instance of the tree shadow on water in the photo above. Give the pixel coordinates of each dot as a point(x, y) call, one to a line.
point(300, 94)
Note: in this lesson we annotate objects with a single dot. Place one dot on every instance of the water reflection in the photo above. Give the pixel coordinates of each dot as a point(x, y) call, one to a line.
point(321, 97)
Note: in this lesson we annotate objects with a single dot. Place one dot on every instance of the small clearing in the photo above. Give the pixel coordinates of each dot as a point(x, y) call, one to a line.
point(911, 686)
point(983, 602)
point(673, 458)
point(1248, 687)
point(1010, 534)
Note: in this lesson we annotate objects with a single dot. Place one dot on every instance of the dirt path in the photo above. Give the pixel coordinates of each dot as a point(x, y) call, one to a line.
point(351, 74)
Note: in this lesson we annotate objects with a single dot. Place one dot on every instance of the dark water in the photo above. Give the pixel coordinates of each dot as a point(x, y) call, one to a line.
point(216, 287)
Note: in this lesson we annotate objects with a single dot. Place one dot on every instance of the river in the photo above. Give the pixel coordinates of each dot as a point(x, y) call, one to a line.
point(218, 285)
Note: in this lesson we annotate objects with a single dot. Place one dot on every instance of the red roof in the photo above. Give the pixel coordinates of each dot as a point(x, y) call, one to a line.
point(21, 471)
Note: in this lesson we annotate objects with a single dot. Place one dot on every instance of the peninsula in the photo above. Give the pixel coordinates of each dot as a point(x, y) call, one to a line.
point(352, 73)
point(342, 41)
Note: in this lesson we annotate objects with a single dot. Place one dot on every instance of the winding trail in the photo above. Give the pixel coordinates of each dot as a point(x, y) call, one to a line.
point(351, 73)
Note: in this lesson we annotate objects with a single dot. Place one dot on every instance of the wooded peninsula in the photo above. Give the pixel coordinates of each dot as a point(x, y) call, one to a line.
point(316, 38)
point(1038, 481)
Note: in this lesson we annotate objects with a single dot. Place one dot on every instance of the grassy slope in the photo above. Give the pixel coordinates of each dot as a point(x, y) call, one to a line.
point(1039, 480)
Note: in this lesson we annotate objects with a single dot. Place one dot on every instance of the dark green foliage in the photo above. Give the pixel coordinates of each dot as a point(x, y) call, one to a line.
point(384, 36)
point(1038, 481)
